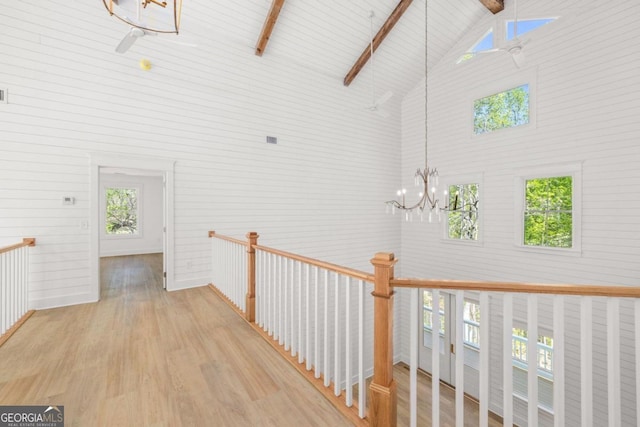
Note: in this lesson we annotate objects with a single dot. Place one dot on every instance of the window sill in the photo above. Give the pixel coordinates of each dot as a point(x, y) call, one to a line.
point(573, 252)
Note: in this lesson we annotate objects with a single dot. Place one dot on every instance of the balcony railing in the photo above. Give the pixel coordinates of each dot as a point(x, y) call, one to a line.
point(319, 316)
point(14, 287)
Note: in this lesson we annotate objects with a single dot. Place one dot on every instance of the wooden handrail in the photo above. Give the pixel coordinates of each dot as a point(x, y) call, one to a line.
point(528, 288)
point(27, 241)
point(356, 274)
point(227, 238)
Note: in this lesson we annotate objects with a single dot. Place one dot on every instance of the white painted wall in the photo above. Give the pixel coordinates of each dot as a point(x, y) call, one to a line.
point(149, 238)
point(587, 111)
point(318, 192)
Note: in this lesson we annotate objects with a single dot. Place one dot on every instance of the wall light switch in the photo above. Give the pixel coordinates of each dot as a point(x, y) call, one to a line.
point(68, 200)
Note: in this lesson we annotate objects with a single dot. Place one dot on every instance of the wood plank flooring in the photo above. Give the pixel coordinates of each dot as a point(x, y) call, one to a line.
point(143, 356)
point(146, 357)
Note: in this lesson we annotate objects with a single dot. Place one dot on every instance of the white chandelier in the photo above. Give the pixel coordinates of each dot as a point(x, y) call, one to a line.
point(427, 181)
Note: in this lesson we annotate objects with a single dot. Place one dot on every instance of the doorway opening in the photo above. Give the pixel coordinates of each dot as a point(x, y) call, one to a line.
point(131, 212)
point(446, 339)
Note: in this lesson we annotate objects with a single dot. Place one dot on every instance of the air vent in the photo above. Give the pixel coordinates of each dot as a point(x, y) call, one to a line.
point(4, 93)
point(272, 140)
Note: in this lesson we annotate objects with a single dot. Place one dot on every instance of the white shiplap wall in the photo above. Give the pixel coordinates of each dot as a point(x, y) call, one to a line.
point(587, 109)
point(318, 192)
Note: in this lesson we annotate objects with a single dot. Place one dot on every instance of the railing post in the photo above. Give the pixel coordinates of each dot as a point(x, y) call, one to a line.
point(250, 314)
point(383, 397)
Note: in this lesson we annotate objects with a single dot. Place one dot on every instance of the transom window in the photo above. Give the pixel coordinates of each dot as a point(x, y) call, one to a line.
point(492, 40)
point(501, 110)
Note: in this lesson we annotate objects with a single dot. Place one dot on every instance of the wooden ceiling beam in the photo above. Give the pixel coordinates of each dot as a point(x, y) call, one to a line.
point(267, 28)
point(494, 6)
point(377, 40)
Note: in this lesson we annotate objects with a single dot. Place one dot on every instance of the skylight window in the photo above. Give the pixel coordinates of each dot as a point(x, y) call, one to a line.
point(526, 25)
point(485, 43)
point(498, 40)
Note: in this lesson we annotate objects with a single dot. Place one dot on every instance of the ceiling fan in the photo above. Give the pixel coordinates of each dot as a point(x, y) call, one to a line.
point(135, 33)
point(376, 104)
point(515, 47)
point(130, 38)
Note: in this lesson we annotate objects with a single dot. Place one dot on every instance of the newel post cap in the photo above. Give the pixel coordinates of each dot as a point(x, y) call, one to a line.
point(384, 259)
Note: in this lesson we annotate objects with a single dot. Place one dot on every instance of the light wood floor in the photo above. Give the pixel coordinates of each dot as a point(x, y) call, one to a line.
point(143, 356)
point(146, 357)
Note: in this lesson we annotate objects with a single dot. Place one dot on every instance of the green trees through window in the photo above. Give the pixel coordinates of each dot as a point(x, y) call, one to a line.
point(502, 110)
point(121, 211)
point(548, 219)
point(463, 212)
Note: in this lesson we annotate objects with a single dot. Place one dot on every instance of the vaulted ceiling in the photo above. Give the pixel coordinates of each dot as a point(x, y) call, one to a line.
point(328, 36)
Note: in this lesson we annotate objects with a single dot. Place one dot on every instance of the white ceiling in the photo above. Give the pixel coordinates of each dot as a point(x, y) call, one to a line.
point(327, 36)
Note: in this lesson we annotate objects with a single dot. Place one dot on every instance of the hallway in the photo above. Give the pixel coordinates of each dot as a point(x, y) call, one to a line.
point(143, 356)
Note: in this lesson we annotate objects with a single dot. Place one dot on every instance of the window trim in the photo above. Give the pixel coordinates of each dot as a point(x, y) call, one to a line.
point(549, 171)
point(103, 209)
point(505, 83)
point(461, 180)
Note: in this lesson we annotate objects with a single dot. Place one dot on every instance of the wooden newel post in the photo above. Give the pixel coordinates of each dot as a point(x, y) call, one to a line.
point(250, 313)
point(383, 398)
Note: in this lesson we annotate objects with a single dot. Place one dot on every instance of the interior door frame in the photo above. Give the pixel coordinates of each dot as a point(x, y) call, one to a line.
point(100, 160)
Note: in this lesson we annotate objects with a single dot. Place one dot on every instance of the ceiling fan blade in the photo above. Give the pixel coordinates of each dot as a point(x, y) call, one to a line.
point(518, 58)
point(384, 98)
point(129, 39)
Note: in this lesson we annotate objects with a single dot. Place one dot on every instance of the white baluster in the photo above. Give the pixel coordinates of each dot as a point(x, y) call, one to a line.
point(285, 305)
point(435, 358)
point(316, 323)
point(336, 336)
point(327, 377)
point(613, 361)
point(507, 367)
point(347, 344)
point(459, 347)
point(293, 289)
point(532, 358)
point(414, 310)
point(484, 361)
point(558, 361)
point(308, 316)
point(586, 361)
point(300, 346)
point(362, 385)
point(637, 334)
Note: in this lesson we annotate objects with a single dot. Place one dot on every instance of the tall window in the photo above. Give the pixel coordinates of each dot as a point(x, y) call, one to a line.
point(542, 356)
point(121, 211)
point(549, 212)
point(502, 110)
point(462, 217)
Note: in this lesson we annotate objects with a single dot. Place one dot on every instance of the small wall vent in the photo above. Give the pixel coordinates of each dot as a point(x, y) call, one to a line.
point(4, 93)
point(272, 140)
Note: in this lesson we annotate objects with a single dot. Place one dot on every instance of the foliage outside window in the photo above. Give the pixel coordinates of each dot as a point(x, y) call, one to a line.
point(548, 216)
point(121, 211)
point(463, 212)
point(502, 110)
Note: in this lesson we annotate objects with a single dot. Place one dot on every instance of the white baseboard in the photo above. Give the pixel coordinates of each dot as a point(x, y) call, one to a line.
point(60, 301)
point(125, 252)
point(189, 283)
